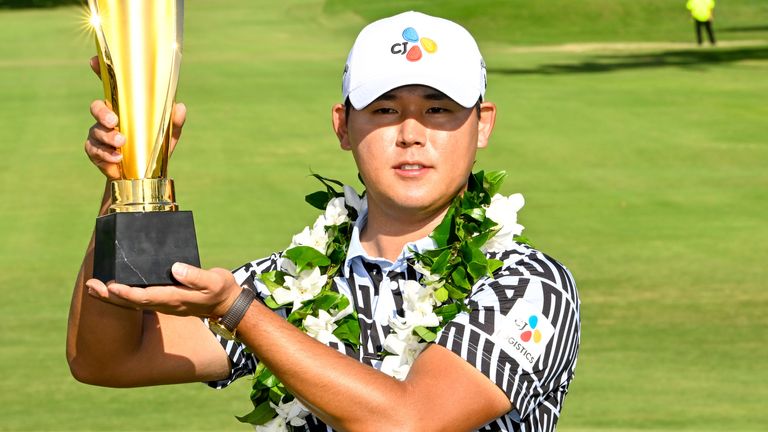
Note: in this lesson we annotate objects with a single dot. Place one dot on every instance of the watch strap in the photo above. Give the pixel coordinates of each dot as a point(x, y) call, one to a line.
point(236, 312)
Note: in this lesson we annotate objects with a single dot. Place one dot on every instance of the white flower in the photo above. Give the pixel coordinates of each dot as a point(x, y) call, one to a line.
point(405, 347)
point(415, 293)
point(418, 301)
point(292, 412)
point(316, 237)
point(428, 279)
point(304, 287)
point(335, 212)
point(352, 199)
point(287, 266)
point(394, 366)
point(321, 327)
point(400, 338)
point(503, 210)
point(277, 424)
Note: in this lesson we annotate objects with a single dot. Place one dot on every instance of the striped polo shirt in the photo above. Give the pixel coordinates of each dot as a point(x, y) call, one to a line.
point(521, 331)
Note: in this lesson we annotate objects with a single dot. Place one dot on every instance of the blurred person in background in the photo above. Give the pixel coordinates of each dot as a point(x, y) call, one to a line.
point(702, 12)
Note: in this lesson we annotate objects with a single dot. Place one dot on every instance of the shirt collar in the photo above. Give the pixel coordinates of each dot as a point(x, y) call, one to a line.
point(356, 250)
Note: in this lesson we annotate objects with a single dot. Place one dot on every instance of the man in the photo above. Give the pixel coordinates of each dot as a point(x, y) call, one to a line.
point(413, 118)
point(702, 12)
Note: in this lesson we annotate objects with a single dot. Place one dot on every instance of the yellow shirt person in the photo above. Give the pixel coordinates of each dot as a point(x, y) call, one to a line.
point(701, 10)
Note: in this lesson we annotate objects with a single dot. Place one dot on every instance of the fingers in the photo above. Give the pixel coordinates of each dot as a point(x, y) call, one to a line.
point(217, 283)
point(178, 118)
point(172, 300)
point(204, 293)
point(95, 66)
point(105, 116)
point(104, 141)
point(99, 152)
point(98, 289)
point(200, 279)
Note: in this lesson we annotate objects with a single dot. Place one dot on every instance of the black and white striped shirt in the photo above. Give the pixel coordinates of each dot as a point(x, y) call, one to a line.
point(522, 331)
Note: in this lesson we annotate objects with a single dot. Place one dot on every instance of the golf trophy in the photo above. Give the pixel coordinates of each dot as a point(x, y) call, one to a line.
point(144, 233)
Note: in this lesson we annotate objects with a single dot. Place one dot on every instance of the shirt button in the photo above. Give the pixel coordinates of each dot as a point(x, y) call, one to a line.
point(393, 285)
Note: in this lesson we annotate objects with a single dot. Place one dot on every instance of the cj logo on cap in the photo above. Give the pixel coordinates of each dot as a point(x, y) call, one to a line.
point(410, 48)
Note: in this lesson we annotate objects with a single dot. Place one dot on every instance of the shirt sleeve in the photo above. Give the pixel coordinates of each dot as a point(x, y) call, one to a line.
point(243, 362)
point(522, 330)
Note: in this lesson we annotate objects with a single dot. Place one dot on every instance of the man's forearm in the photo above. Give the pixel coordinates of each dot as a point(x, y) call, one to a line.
point(343, 392)
point(98, 333)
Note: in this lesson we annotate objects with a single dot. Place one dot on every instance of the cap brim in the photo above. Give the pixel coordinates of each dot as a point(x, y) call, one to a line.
point(461, 93)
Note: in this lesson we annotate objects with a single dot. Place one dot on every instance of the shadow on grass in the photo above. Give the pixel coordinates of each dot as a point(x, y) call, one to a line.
point(759, 28)
point(690, 58)
point(24, 4)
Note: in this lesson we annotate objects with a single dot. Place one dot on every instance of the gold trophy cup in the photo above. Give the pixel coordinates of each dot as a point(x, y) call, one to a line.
point(139, 48)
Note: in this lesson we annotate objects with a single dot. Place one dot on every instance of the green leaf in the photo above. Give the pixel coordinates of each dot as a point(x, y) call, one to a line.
point(337, 253)
point(297, 316)
point(482, 238)
point(426, 334)
point(306, 257)
point(493, 181)
point(477, 263)
point(271, 381)
point(441, 263)
point(319, 199)
point(459, 277)
point(266, 378)
point(328, 300)
point(476, 213)
point(476, 182)
point(441, 294)
point(348, 330)
point(493, 265)
point(271, 303)
point(260, 415)
point(454, 292)
point(523, 240)
point(477, 269)
point(442, 233)
point(342, 302)
point(272, 280)
point(327, 182)
point(431, 255)
point(276, 394)
point(448, 312)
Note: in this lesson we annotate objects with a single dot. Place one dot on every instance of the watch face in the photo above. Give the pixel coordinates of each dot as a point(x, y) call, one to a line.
point(220, 330)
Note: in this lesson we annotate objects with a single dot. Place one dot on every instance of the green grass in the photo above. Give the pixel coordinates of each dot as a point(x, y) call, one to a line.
point(643, 171)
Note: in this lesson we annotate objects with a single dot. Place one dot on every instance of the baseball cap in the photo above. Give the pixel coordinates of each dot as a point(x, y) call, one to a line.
point(414, 48)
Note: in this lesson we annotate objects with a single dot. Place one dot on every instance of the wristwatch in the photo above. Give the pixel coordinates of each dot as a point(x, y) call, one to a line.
point(226, 325)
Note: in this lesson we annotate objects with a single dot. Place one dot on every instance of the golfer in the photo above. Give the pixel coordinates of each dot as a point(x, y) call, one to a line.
point(461, 326)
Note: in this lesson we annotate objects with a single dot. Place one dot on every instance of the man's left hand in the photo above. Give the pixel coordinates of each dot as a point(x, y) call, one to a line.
point(203, 293)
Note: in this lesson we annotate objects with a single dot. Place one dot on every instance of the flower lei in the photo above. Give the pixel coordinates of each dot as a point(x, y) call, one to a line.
point(478, 222)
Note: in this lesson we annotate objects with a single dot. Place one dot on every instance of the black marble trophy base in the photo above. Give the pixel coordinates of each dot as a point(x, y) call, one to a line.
point(138, 249)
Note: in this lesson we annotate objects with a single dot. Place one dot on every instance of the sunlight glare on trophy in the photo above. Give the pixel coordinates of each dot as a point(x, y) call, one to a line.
point(139, 50)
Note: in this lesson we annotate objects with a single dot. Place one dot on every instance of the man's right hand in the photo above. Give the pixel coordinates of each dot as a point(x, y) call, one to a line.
point(104, 140)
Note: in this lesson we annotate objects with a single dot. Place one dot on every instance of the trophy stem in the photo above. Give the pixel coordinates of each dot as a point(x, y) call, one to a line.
point(143, 195)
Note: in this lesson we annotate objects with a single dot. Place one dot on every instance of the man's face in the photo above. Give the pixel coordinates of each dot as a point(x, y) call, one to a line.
point(414, 148)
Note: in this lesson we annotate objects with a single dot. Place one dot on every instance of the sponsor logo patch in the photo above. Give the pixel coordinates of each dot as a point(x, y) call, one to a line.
point(413, 45)
point(524, 333)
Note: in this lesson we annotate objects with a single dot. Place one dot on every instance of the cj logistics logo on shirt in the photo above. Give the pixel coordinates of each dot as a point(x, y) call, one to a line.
point(410, 47)
point(524, 333)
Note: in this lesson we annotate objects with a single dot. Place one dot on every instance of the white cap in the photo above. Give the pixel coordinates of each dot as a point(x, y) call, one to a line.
point(414, 48)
